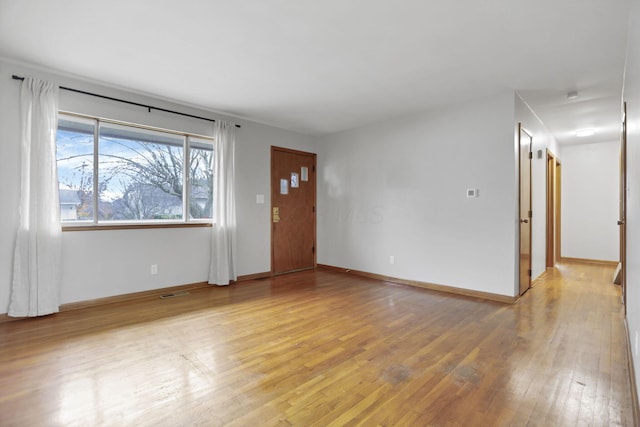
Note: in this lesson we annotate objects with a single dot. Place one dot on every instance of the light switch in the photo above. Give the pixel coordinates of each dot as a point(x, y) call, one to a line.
point(472, 192)
point(260, 199)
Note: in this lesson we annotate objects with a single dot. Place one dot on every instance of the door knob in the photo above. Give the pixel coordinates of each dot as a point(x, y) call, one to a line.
point(524, 221)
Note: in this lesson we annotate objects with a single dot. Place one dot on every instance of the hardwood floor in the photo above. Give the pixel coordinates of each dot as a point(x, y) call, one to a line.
point(323, 348)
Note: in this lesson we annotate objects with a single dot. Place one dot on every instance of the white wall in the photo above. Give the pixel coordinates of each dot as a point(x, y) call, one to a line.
point(590, 175)
point(105, 263)
point(399, 188)
point(542, 141)
point(631, 95)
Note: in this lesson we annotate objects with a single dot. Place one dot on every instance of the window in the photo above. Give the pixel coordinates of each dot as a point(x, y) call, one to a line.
point(111, 173)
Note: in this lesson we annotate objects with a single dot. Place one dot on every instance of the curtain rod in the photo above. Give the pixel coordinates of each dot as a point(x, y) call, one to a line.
point(148, 107)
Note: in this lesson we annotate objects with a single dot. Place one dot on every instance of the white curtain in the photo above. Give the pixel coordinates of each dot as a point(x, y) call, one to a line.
point(222, 269)
point(35, 288)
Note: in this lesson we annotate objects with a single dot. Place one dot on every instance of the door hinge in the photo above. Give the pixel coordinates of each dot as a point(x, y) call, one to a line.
point(314, 209)
point(530, 214)
point(530, 154)
point(529, 273)
point(313, 249)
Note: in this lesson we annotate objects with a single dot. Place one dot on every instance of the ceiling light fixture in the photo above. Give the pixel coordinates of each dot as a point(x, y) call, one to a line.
point(585, 132)
point(572, 95)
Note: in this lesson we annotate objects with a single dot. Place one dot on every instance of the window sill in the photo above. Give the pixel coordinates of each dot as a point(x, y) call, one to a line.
point(100, 227)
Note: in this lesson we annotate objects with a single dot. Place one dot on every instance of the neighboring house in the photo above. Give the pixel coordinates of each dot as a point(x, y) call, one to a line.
point(69, 202)
point(145, 201)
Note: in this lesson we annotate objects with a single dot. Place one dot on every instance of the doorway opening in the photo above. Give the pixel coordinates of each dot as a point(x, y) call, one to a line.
point(554, 185)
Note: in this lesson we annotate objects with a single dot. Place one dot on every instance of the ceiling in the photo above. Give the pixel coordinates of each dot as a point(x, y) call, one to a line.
point(319, 67)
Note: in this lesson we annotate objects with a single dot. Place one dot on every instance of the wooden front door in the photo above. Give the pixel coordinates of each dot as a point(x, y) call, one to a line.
point(525, 140)
point(293, 216)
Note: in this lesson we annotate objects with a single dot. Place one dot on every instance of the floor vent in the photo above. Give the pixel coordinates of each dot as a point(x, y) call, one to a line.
point(174, 294)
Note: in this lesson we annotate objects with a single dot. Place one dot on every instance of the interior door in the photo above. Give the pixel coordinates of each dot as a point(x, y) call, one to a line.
point(293, 216)
point(525, 156)
point(558, 205)
point(623, 205)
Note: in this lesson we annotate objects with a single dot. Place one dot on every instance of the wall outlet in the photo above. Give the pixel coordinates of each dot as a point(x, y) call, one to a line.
point(154, 268)
point(392, 259)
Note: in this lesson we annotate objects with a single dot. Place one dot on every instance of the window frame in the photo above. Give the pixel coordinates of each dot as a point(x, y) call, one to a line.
point(96, 224)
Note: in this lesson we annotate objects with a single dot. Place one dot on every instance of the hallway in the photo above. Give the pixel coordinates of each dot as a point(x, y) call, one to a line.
point(575, 372)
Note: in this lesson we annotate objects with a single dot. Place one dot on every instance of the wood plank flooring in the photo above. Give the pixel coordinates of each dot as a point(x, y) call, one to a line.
point(327, 349)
